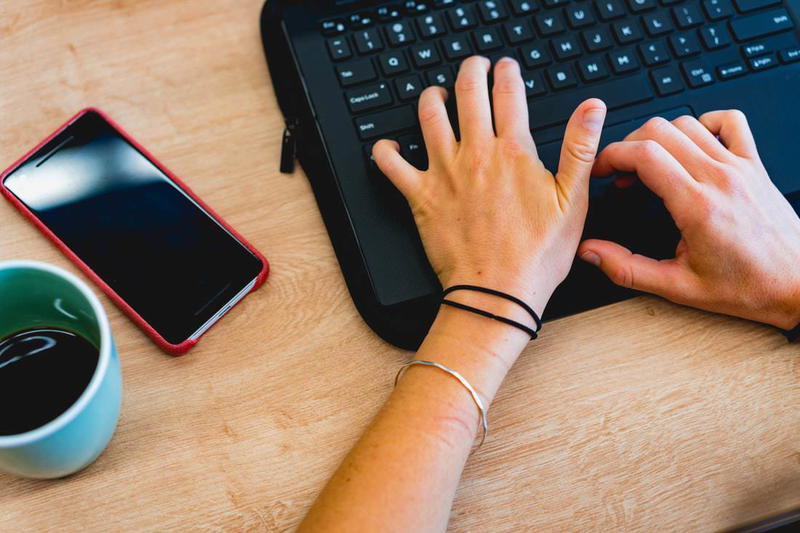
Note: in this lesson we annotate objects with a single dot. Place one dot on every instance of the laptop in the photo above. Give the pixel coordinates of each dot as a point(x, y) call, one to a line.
point(347, 73)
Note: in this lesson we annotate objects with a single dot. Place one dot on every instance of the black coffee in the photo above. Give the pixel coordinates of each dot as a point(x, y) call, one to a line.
point(43, 371)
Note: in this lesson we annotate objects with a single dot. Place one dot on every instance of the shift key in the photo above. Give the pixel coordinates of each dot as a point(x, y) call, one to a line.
point(378, 124)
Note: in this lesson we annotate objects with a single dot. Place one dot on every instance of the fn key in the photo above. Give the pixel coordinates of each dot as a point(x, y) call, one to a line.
point(379, 124)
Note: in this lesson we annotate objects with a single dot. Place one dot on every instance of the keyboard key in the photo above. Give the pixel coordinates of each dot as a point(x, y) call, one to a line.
point(408, 87)
point(654, 53)
point(684, 44)
point(413, 151)
point(369, 97)
point(552, 110)
point(697, 74)
point(368, 41)
point(456, 47)
point(387, 13)
point(714, 37)
point(667, 80)
point(752, 5)
point(425, 55)
point(534, 85)
point(561, 77)
point(554, 3)
point(333, 27)
point(414, 7)
point(627, 31)
point(379, 124)
point(566, 47)
point(755, 49)
point(549, 23)
point(461, 18)
point(623, 61)
point(761, 24)
point(438, 4)
point(431, 25)
point(393, 63)
point(442, 76)
point(596, 40)
point(579, 15)
point(731, 70)
point(790, 55)
point(487, 39)
point(360, 20)
point(763, 62)
point(534, 55)
point(492, 11)
point(524, 7)
point(610, 9)
point(339, 49)
point(356, 72)
point(687, 16)
point(399, 33)
point(592, 69)
point(657, 24)
point(637, 6)
point(717, 9)
point(518, 31)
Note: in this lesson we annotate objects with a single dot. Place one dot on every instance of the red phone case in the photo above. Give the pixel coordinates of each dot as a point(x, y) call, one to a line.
point(174, 349)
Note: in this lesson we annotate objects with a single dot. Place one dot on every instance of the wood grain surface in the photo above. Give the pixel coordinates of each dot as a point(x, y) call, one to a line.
point(641, 416)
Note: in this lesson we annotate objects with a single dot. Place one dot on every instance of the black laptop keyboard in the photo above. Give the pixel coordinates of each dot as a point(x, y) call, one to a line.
point(623, 51)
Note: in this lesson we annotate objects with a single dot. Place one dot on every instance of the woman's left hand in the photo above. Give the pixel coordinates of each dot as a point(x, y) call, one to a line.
point(488, 211)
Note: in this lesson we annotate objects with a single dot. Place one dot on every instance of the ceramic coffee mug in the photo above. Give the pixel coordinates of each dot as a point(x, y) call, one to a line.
point(37, 294)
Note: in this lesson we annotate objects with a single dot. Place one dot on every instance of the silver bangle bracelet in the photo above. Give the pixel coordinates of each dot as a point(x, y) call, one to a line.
point(462, 380)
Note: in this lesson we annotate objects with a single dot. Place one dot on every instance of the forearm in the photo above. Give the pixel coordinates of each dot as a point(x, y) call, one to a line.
point(403, 472)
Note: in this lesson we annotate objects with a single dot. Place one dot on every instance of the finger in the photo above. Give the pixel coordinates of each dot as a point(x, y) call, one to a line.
point(472, 101)
point(686, 152)
point(399, 171)
point(656, 168)
point(510, 105)
point(579, 149)
point(626, 269)
point(733, 130)
point(436, 128)
point(699, 134)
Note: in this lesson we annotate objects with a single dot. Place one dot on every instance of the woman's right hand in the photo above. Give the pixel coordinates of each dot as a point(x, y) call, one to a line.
point(740, 248)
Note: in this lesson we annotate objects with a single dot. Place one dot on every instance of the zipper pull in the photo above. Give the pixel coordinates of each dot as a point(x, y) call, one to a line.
point(289, 146)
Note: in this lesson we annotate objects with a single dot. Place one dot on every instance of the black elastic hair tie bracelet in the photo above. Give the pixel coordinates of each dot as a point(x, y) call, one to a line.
point(526, 307)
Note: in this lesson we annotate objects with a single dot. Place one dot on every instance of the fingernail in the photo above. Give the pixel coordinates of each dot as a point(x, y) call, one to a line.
point(506, 59)
point(591, 257)
point(593, 118)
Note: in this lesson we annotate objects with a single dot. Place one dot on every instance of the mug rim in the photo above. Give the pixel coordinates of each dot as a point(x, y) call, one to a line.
point(103, 360)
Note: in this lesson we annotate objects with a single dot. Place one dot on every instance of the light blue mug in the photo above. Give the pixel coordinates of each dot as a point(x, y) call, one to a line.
point(37, 294)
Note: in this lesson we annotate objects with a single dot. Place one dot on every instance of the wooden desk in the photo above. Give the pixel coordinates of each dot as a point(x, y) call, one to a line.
point(641, 416)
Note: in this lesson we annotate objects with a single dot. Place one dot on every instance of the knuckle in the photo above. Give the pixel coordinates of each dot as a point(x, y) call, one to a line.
point(622, 275)
point(478, 161)
point(684, 121)
point(467, 82)
point(508, 86)
point(581, 149)
point(735, 115)
point(648, 150)
point(512, 148)
point(429, 112)
point(655, 125)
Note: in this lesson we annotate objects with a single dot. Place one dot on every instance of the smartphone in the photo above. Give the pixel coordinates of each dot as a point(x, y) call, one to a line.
point(162, 255)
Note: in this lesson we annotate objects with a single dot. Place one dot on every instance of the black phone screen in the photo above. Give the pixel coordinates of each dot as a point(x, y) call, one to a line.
point(134, 227)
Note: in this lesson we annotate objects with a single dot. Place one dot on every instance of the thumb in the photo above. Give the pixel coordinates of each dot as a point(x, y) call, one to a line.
point(634, 271)
point(400, 172)
point(579, 149)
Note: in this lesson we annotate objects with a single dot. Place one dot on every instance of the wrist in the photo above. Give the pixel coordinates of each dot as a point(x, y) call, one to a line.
point(529, 289)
